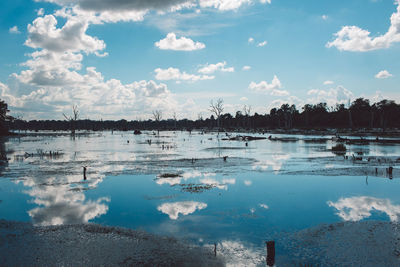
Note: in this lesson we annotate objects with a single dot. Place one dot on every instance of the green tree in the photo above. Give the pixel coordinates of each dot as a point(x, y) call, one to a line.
point(4, 117)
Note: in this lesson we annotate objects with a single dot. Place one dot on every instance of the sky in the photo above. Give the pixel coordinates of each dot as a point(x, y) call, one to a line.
point(124, 59)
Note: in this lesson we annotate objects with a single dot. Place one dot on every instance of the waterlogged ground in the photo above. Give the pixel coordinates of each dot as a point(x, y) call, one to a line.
point(178, 184)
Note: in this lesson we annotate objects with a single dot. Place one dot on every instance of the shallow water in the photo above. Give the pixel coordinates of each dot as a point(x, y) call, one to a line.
point(263, 189)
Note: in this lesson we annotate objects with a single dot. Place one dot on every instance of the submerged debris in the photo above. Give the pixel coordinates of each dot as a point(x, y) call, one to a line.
point(339, 148)
point(244, 138)
point(169, 175)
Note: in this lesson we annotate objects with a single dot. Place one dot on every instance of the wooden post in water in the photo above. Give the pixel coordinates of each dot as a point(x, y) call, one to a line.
point(390, 172)
point(215, 249)
point(84, 172)
point(270, 253)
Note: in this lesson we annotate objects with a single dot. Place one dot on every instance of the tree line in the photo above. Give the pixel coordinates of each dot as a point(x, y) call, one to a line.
point(359, 114)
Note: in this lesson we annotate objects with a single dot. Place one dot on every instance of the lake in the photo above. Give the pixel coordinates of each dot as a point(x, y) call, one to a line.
point(179, 184)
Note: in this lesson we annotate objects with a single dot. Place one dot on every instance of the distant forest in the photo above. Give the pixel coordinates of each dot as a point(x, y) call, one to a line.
point(360, 114)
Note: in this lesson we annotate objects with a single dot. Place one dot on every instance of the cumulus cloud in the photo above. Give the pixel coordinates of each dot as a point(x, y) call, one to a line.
point(272, 88)
point(384, 74)
point(184, 207)
point(324, 17)
point(251, 40)
point(53, 79)
point(93, 94)
point(333, 96)
point(72, 37)
point(261, 44)
point(170, 42)
point(211, 68)
point(246, 68)
point(358, 208)
point(243, 98)
point(176, 74)
point(14, 30)
point(353, 38)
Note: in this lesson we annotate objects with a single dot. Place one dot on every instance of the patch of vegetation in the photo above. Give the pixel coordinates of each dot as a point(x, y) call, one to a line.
point(339, 148)
point(196, 188)
point(169, 175)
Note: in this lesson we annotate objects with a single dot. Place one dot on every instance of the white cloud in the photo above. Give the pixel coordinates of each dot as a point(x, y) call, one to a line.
point(224, 4)
point(40, 12)
point(72, 37)
point(261, 44)
point(377, 97)
point(332, 96)
point(328, 82)
point(119, 5)
point(176, 74)
point(358, 208)
point(269, 88)
point(324, 17)
point(157, 5)
point(246, 68)
point(251, 40)
point(184, 207)
point(14, 30)
point(170, 42)
point(353, 38)
point(384, 74)
point(244, 98)
point(211, 68)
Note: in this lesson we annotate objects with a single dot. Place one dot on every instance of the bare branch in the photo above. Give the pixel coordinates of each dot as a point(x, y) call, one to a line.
point(217, 108)
point(247, 110)
point(157, 115)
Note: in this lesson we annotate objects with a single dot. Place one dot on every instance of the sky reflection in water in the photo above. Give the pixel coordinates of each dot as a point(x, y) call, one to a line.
point(252, 197)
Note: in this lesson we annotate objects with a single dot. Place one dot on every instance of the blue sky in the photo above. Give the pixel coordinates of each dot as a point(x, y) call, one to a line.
point(126, 58)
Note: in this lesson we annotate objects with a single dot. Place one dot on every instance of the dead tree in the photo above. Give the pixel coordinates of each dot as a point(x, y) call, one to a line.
point(217, 108)
point(247, 112)
point(157, 115)
point(175, 119)
point(73, 118)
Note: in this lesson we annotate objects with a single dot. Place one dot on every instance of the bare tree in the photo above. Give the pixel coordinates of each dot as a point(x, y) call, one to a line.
point(247, 112)
point(174, 117)
point(72, 118)
point(217, 108)
point(157, 115)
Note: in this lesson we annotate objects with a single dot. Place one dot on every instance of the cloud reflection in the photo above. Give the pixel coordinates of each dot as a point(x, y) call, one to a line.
point(61, 200)
point(358, 208)
point(184, 207)
point(276, 163)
